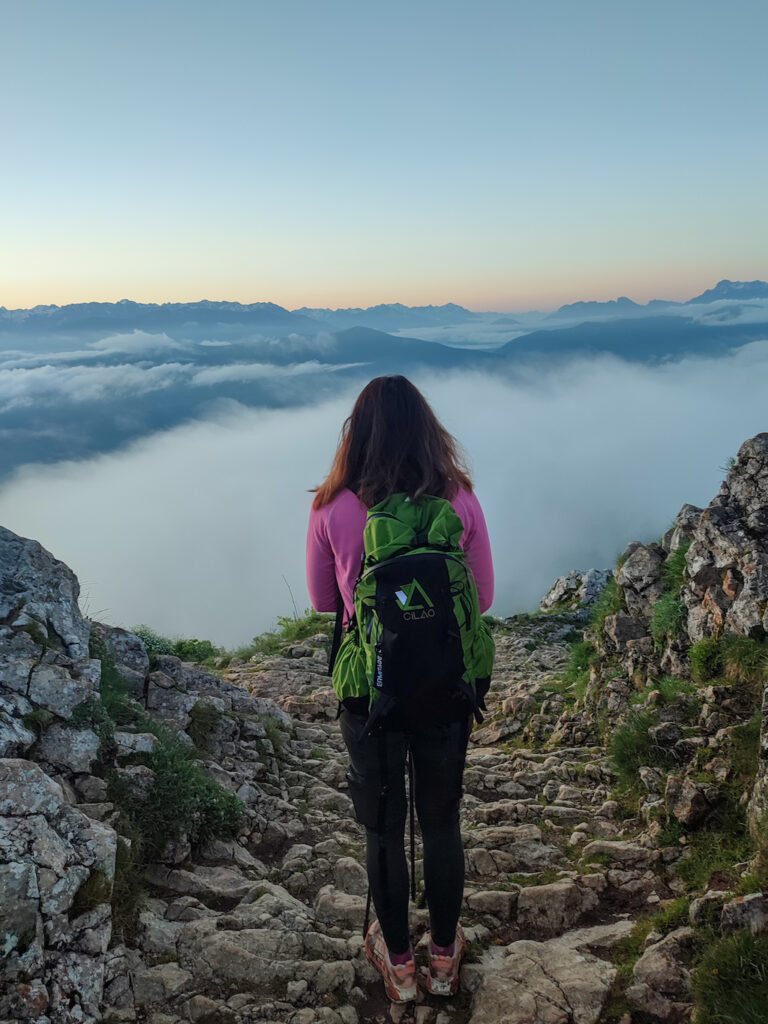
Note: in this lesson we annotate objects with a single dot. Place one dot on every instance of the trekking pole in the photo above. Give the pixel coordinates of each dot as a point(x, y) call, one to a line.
point(413, 827)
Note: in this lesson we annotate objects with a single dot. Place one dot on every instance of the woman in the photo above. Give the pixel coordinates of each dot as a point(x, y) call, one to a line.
point(393, 443)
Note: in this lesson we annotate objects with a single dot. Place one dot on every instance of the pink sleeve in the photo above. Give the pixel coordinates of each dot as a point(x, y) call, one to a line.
point(477, 546)
point(321, 566)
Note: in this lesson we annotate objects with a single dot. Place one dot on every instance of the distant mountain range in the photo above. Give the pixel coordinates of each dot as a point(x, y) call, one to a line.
point(237, 318)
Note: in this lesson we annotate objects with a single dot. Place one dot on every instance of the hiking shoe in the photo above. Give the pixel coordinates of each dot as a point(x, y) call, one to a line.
point(443, 976)
point(399, 979)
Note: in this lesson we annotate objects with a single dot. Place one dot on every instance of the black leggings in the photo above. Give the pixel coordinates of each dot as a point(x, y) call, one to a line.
point(377, 786)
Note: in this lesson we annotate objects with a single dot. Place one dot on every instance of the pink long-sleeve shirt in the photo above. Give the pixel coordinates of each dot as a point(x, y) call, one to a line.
point(335, 549)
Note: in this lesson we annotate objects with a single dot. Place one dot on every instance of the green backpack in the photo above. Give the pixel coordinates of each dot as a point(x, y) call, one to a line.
point(417, 628)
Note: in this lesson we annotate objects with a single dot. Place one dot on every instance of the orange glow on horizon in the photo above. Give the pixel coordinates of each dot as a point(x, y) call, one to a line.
point(491, 299)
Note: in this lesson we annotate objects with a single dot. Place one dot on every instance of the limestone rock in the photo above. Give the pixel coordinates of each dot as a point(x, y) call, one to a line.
point(73, 750)
point(547, 910)
point(156, 985)
point(350, 876)
point(48, 850)
point(335, 907)
point(661, 979)
point(124, 647)
point(620, 628)
point(577, 589)
point(542, 983)
point(689, 801)
point(746, 912)
point(38, 590)
point(640, 579)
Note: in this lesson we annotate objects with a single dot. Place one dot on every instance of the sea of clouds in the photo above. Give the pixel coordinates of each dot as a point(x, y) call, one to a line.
point(200, 530)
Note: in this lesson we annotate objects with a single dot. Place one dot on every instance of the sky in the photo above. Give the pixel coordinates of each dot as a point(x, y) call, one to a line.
point(504, 154)
point(200, 530)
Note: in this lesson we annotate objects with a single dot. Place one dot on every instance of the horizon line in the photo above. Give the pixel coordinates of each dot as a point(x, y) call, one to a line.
point(337, 309)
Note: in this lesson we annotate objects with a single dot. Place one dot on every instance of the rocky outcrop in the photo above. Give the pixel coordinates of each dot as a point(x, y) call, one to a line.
point(576, 590)
point(727, 562)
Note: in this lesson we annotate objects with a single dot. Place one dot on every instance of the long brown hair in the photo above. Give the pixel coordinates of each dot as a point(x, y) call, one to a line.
point(392, 442)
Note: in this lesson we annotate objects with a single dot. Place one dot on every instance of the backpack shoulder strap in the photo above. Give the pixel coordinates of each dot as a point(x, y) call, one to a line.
point(337, 626)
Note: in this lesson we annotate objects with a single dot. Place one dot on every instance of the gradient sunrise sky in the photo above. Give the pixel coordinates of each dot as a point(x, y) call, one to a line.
point(503, 155)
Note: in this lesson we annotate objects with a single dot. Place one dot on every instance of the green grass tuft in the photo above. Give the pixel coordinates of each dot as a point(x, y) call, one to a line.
point(706, 659)
point(580, 657)
point(673, 569)
point(671, 690)
point(631, 747)
point(290, 631)
point(744, 659)
point(667, 619)
point(730, 983)
point(608, 603)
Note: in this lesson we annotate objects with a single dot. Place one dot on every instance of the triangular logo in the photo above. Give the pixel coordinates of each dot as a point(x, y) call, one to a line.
point(410, 593)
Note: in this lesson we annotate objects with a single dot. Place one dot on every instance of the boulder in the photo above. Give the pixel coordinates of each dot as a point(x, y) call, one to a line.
point(661, 979)
point(547, 910)
point(746, 912)
point(540, 982)
point(640, 579)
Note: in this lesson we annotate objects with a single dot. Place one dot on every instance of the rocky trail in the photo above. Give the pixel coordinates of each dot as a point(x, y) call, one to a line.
point(553, 878)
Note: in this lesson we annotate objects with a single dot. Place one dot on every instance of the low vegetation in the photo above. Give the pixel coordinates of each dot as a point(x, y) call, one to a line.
point(187, 649)
point(290, 630)
point(667, 620)
point(730, 982)
point(580, 657)
point(608, 603)
point(178, 800)
point(740, 659)
point(632, 746)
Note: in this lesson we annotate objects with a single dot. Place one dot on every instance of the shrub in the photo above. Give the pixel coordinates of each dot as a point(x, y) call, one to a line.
point(706, 659)
point(275, 733)
point(184, 648)
point(182, 799)
point(667, 619)
point(38, 720)
point(94, 891)
point(154, 642)
point(730, 983)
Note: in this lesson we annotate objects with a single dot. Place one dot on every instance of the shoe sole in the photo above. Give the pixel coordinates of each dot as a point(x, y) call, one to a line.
point(441, 988)
point(398, 994)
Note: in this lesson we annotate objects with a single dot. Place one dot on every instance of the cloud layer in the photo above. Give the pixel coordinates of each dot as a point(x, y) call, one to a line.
point(200, 530)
